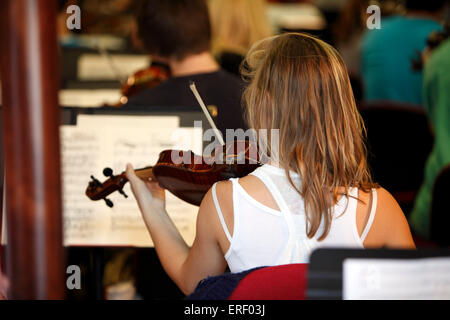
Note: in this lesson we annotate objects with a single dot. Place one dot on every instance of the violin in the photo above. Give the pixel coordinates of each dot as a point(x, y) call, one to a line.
point(188, 180)
point(144, 79)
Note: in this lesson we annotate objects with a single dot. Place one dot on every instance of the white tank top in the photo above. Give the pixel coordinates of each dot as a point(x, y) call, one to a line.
point(263, 236)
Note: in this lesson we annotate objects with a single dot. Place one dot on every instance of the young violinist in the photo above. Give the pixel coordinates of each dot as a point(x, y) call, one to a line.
point(316, 192)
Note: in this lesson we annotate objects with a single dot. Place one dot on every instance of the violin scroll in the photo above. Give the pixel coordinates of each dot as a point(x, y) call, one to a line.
point(99, 191)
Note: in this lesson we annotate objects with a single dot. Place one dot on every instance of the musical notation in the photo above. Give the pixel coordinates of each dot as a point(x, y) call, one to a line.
point(86, 150)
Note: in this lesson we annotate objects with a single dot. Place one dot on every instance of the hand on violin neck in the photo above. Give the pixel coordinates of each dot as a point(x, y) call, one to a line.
point(149, 195)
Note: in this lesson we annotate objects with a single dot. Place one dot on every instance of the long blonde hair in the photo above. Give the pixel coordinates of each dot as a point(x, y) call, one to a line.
point(299, 85)
point(238, 24)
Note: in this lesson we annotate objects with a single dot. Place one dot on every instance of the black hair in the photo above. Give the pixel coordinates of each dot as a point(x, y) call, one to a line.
point(174, 28)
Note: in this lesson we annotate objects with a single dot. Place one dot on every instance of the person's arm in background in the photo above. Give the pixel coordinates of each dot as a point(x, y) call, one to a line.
point(436, 94)
point(437, 97)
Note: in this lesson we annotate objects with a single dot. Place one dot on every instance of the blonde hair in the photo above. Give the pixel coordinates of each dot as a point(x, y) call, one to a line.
point(299, 85)
point(238, 24)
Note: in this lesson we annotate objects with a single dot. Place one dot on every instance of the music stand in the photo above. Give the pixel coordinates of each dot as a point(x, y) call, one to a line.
point(325, 272)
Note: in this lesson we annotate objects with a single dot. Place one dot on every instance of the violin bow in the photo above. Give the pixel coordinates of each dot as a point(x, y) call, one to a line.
point(107, 56)
point(205, 111)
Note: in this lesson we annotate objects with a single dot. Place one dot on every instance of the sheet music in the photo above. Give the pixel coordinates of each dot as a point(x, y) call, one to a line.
point(88, 150)
point(79, 150)
point(90, 121)
point(88, 98)
point(386, 279)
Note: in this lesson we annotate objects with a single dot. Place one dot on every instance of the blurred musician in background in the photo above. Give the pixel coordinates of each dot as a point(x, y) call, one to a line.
point(436, 92)
point(107, 16)
point(386, 53)
point(349, 29)
point(179, 33)
point(236, 26)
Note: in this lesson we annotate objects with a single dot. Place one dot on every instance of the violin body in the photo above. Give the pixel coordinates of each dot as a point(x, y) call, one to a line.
point(187, 180)
point(145, 78)
point(191, 182)
point(142, 79)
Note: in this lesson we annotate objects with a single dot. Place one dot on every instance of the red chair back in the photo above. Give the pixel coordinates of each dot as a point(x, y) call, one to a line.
point(285, 282)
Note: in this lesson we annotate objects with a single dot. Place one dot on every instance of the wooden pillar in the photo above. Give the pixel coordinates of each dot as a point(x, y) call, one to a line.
point(29, 72)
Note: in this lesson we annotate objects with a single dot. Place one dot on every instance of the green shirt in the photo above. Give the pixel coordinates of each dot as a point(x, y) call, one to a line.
point(436, 94)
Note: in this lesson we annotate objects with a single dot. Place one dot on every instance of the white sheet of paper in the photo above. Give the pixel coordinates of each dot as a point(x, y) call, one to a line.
point(102, 67)
point(295, 16)
point(88, 98)
point(401, 279)
point(87, 151)
point(94, 121)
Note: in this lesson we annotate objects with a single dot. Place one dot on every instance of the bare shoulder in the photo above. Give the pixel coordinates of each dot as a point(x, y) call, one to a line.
point(208, 222)
point(250, 182)
point(388, 209)
point(387, 201)
point(223, 195)
point(224, 186)
point(224, 191)
point(390, 226)
point(223, 204)
point(258, 191)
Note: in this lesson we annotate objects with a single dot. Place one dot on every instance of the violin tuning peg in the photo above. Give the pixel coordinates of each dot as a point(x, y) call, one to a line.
point(109, 203)
point(123, 193)
point(96, 182)
point(107, 172)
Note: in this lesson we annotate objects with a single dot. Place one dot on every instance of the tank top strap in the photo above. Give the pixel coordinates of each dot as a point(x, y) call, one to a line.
point(373, 209)
point(219, 212)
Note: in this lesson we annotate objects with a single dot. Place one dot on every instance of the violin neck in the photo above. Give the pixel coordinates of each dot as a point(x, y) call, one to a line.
point(145, 173)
